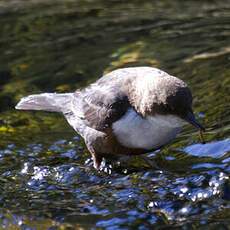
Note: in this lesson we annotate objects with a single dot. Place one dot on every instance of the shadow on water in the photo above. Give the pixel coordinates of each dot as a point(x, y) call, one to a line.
point(46, 177)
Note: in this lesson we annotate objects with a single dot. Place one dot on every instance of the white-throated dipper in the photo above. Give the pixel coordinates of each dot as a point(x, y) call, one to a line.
point(128, 111)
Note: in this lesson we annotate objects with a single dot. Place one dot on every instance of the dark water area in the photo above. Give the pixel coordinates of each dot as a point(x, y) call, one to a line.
point(47, 180)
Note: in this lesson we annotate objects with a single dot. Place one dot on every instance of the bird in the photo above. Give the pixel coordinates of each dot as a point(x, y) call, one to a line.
point(129, 111)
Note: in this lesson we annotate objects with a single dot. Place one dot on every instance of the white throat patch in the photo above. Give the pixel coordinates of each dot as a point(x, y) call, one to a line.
point(133, 131)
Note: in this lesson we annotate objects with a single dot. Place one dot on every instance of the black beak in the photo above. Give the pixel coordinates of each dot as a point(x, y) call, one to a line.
point(190, 117)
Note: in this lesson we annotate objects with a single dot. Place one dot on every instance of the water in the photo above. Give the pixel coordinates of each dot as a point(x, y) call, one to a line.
point(46, 175)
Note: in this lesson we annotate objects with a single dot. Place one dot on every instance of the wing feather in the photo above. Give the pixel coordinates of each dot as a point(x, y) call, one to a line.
point(100, 108)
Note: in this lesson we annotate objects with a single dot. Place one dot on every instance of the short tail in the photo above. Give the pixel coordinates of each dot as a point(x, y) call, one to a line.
point(52, 102)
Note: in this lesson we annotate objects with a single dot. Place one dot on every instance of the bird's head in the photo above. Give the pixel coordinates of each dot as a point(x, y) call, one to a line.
point(180, 104)
point(178, 101)
point(174, 97)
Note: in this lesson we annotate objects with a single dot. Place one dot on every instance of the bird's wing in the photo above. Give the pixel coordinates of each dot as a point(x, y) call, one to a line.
point(99, 107)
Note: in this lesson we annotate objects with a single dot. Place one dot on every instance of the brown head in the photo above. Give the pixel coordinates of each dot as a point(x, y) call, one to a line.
point(180, 104)
point(176, 98)
point(165, 94)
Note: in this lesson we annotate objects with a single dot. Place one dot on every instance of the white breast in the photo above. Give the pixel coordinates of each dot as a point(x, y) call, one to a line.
point(133, 131)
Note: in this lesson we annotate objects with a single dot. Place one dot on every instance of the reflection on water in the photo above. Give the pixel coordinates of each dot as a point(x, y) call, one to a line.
point(46, 176)
point(215, 149)
point(61, 179)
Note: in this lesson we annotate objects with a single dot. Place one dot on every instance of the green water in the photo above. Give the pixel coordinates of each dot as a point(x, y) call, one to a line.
point(46, 175)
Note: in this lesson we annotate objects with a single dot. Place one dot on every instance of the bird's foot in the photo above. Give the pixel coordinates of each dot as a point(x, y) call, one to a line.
point(97, 160)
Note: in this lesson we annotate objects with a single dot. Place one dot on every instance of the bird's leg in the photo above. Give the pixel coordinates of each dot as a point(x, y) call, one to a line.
point(97, 159)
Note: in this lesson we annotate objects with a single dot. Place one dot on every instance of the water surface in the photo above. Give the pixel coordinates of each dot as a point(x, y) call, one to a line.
point(46, 174)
